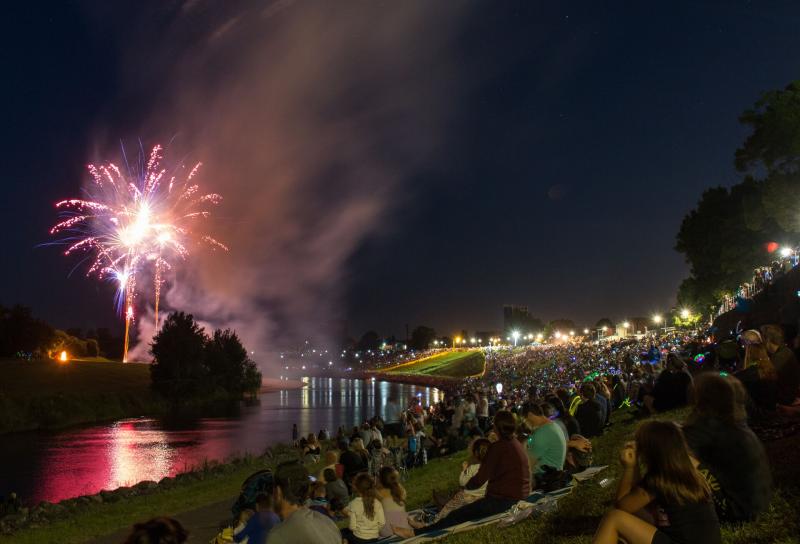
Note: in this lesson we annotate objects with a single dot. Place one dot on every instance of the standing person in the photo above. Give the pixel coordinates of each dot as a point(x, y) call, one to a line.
point(670, 482)
point(507, 472)
point(365, 513)
point(300, 524)
point(393, 425)
point(731, 457)
point(483, 411)
point(785, 363)
point(294, 434)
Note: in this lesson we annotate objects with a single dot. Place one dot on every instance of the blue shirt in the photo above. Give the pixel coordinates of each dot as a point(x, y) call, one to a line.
point(258, 527)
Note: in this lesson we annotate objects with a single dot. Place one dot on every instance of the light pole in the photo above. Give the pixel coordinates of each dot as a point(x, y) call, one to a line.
point(515, 336)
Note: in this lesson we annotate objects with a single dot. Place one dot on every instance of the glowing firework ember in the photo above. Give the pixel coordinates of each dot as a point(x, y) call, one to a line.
point(132, 222)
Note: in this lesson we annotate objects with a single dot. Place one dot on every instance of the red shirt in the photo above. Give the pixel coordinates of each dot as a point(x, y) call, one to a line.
point(507, 471)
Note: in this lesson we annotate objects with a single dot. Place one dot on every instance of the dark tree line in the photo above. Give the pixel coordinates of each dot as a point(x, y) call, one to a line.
point(726, 235)
point(188, 363)
point(24, 336)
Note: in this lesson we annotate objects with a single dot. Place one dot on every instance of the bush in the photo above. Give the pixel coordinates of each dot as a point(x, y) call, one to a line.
point(189, 363)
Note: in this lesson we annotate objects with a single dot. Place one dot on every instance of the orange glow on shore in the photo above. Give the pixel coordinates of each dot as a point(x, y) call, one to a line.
point(63, 357)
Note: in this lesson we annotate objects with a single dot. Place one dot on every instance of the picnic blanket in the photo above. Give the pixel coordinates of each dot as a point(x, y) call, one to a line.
point(534, 502)
point(537, 502)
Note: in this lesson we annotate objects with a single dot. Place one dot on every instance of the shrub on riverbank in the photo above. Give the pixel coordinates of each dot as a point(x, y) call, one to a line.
point(188, 363)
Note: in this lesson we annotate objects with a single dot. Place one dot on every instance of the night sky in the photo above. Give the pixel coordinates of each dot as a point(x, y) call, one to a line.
point(576, 137)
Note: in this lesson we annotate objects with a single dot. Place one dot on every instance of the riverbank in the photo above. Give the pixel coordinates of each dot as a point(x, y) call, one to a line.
point(50, 395)
point(211, 489)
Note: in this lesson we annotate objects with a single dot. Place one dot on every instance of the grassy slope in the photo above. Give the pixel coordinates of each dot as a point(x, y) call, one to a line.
point(580, 512)
point(574, 522)
point(454, 364)
point(48, 394)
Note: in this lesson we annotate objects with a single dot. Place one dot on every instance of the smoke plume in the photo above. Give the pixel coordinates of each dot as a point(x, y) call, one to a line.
point(311, 119)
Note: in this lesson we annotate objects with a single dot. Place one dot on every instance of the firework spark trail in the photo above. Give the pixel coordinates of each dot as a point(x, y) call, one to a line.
point(133, 222)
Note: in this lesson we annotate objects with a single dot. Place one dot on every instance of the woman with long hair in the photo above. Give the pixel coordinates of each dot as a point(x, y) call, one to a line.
point(365, 512)
point(670, 482)
point(392, 495)
point(730, 455)
point(759, 375)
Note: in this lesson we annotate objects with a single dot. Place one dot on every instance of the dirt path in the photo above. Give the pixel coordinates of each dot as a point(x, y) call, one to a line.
point(202, 524)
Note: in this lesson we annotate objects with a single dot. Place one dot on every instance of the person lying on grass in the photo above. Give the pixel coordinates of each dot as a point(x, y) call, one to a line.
point(670, 487)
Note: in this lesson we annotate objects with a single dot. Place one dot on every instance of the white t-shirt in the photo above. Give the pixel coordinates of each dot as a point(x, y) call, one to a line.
point(360, 524)
point(465, 477)
point(483, 407)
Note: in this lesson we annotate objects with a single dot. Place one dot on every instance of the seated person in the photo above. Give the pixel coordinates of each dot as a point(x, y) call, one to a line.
point(300, 524)
point(158, 531)
point(759, 376)
point(331, 459)
point(335, 490)
point(785, 363)
point(469, 468)
point(671, 389)
point(393, 500)
point(259, 524)
point(670, 483)
point(546, 445)
point(579, 448)
point(507, 472)
point(318, 500)
point(365, 512)
point(731, 457)
point(589, 413)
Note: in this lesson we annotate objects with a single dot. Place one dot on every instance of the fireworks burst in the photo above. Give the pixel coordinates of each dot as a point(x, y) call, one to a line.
point(133, 222)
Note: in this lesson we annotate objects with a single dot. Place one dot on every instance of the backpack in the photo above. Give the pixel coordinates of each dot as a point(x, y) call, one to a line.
point(552, 479)
point(258, 483)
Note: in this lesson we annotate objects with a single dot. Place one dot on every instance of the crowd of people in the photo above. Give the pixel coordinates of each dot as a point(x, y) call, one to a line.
point(528, 424)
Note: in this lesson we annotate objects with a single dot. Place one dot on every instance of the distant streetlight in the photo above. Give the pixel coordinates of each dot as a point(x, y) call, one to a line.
point(515, 336)
point(557, 335)
point(786, 251)
point(685, 313)
point(572, 333)
point(471, 340)
point(585, 331)
point(539, 337)
point(626, 324)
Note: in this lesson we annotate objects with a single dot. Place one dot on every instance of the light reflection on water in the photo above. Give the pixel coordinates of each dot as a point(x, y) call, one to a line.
point(55, 466)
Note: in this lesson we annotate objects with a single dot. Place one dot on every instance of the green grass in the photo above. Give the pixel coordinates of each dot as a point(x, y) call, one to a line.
point(452, 364)
point(574, 522)
point(47, 394)
point(103, 519)
point(579, 513)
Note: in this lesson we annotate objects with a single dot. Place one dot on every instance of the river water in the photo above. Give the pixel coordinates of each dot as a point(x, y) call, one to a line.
point(53, 466)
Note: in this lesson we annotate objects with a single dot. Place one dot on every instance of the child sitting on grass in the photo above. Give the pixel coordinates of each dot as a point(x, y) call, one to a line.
point(685, 513)
point(365, 512)
point(257, 528)
point(335, 491)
